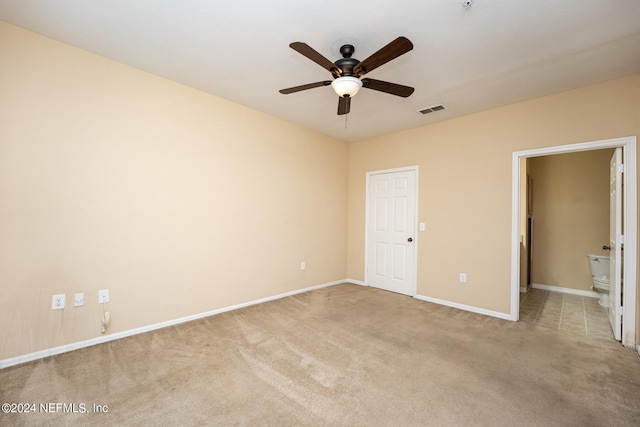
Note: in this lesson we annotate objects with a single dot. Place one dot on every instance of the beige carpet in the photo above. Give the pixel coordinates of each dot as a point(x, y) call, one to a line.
point(344, 355)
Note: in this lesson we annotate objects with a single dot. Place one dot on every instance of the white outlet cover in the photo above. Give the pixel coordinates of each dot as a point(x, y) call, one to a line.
point(57, 302)
point(78, 300)
point(103, 296)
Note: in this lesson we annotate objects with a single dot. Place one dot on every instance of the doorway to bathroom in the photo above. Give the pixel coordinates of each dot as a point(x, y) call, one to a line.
point(523, 222)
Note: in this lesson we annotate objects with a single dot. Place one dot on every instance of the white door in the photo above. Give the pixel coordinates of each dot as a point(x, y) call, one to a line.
point(391, 238)
point(616, 243)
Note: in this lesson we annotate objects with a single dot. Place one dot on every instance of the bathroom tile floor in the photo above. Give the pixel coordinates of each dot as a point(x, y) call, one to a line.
point(567, 312)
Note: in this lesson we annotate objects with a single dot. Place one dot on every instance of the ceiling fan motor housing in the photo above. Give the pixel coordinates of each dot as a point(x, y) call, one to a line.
point(346, 64)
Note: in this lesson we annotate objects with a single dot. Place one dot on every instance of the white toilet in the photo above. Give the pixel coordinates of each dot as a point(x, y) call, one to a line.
point(599, 266)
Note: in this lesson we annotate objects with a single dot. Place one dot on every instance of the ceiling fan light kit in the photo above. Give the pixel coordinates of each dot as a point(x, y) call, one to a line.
point(346, 85)
point(347, 71)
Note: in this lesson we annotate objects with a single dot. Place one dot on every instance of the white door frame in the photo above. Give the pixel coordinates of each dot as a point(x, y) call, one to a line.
point(414, 286)
point(630, 220)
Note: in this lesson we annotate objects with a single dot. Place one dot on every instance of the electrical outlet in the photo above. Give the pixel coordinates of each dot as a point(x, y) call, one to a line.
point(463, 277)
point(103, 296)
point(303, 265)
point(57, 302)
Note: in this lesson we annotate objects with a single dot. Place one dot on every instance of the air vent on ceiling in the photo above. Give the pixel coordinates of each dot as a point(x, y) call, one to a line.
point(432, 109)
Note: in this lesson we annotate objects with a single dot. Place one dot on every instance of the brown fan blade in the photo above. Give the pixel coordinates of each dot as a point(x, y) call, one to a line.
point(392, 88)
point(310, 53)
point(304, 87)
point(344, 105)
point(398, 47)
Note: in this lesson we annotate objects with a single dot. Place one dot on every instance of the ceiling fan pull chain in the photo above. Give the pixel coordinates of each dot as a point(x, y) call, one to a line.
point(345, 120)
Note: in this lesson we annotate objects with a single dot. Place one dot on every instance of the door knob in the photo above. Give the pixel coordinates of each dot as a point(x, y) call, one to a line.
point(606, 248)
point(409, 239)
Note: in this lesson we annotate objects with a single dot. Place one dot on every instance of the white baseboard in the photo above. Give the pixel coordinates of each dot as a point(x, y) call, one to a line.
point(590, 294)
point(464, 307)
point(118, 335)
point(449, 304)
point(523, 290)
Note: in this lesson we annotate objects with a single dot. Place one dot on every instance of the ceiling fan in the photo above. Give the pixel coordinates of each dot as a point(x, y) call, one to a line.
point(347, 71)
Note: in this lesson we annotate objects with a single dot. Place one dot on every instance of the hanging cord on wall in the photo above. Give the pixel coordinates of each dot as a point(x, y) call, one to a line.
point(106, 317)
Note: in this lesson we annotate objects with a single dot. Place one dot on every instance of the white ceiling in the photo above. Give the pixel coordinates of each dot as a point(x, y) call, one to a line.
point(495, 53)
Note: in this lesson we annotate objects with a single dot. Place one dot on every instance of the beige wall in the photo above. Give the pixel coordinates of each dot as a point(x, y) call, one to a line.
point(571, 216)
point(465, 182)
point(180, 202)
point(177, 201)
